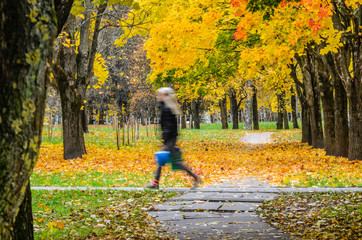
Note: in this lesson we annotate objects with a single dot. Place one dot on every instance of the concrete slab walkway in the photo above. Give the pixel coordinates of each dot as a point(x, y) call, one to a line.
point(218, 212)
point(225, 211)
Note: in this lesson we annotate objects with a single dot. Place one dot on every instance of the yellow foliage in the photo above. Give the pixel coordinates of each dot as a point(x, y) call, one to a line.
point(100, 71)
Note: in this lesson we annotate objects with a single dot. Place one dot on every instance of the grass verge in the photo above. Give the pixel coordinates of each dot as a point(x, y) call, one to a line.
point(101, 179)
point(96, 214)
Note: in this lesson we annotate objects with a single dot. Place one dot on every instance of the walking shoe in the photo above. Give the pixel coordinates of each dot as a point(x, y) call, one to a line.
point(153, 185)
point(197, 182)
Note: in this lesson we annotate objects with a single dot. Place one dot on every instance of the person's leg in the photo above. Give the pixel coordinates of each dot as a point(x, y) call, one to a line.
point(176, 156)
point(155, 182)
point(188, 170)
point(158, 173)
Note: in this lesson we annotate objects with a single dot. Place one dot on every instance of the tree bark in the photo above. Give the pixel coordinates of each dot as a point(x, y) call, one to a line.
point(101, 116)
point(234, 108)
point(293, 102)
point(25, 57)
point(223, 113)
point(84, 120)
point(62, 8)
point(73, 135)
point(255, 110)
point(349, 54)
point(355, 134)
point(249, 109)
point(196, 113)
point(286, 120)
point(280, 111)
point(299, 86)
point(326, 90)
point(183, 121)
point(23, 228)
point(307, 63)
point(341, 119)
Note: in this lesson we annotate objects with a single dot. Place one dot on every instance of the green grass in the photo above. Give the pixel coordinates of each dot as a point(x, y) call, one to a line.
point(104, 135)
point(100, 179)
point(320, 179)
point(96, 213)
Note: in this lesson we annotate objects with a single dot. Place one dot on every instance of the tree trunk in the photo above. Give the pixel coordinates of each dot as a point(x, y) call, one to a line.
point(348, 55)
point(90, 114)
point(73, 136)
point(196, 113)
point(234, 108)
point(341, 119)
point(306, 137)
point(326, 89)
point(23, 228)
point(223, 113)
point(286, 120)
point(307, 64)
point(72, 72)
point(84, 120)
point(255, 110)
point(183, 121)
point(249, 109)
point(101, 116)
point(280, 111)
point(315, 120)
point(25, 57)
point(299, 86)
point(293, 102)
point(355, 134)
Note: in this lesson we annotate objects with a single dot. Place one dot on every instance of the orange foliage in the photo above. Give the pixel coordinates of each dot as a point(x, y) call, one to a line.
point(280, 163)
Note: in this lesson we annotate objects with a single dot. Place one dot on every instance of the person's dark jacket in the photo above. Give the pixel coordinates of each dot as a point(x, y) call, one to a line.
point(168, 123)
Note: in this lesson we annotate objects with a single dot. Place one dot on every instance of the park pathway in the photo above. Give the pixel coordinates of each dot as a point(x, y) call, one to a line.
point(221, 212)
point(226, 211)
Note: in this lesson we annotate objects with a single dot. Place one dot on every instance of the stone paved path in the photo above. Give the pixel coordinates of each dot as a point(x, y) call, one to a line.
point(219, 212)
point(225, 211)
point(257, 138)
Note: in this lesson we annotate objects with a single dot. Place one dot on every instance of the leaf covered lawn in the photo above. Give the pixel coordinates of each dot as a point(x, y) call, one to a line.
point(217, 155)
point(329, 215)
point(96, 214)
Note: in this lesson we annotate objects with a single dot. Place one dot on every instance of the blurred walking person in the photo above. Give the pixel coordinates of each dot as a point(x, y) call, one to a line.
point(169, 111)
